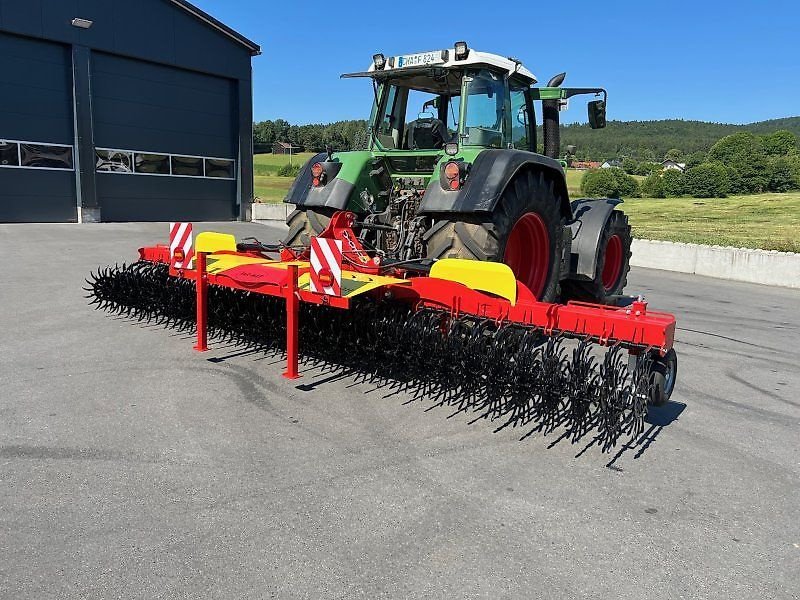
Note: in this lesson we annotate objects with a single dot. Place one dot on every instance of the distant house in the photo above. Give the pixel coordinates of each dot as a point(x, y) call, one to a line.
point(610, 164)
point(671, 164)
point(285, 148)
point(585, 164)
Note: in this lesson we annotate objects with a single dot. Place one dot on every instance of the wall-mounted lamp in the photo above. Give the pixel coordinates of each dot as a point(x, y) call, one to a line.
point(82, 23)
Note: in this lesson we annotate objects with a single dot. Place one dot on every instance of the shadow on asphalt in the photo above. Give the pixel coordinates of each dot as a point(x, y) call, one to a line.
point(658, 417)
point(656, 420)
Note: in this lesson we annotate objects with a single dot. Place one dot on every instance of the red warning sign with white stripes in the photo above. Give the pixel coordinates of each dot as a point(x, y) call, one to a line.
point(180, 245)
point(326, 266)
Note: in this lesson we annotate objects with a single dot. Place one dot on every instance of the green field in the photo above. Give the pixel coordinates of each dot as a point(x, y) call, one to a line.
point(767, 221)
point(268, 164)
point(269, 187)
point(574, 182)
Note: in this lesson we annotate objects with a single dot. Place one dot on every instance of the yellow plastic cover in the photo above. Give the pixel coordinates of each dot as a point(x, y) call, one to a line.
point(492, 277)
point(211, 241)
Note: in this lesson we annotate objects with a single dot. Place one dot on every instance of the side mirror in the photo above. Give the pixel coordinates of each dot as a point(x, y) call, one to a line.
point(597, 114)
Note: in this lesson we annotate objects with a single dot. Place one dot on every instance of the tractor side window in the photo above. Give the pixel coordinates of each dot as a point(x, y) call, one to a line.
point(453, 110)
point(519, 118)
point(483, 121)
point(387, 117)
point(389, 126)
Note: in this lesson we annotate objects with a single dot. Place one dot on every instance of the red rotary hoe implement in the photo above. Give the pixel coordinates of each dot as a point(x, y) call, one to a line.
point(464, 333)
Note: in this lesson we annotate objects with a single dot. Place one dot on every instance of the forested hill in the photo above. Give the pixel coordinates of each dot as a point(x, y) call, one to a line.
point(642, 140)
point(652, 139)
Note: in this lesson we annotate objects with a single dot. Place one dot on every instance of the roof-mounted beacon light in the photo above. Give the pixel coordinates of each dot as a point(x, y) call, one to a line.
point(379, 60)
point(462, 50)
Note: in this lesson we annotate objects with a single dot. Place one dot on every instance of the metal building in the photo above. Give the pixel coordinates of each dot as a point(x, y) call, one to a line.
point(122, 111)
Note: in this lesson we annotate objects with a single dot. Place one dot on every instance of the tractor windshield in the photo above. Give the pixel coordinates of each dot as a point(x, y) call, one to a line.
point(424, 112)
point(418, 110)
point(413, 119)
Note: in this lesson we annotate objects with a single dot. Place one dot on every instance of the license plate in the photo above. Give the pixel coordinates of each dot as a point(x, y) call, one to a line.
point(423, 58)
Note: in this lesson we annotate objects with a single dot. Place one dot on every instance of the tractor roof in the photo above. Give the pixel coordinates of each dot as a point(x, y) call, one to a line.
point(409, 65)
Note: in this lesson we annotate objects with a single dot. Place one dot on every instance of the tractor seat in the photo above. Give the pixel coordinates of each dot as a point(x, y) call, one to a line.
point(425, 134)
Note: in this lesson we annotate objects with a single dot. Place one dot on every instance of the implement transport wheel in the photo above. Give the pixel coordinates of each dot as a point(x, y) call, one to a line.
point(306, 223)
point(525, 231)
point(613, 264)
point(662, 381)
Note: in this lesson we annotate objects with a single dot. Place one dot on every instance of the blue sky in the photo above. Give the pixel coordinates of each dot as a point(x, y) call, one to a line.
point(715, 60)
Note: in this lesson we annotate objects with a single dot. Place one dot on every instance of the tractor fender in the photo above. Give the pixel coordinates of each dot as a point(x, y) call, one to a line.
point(488, 177)
point(590, 217)
point(336, 194)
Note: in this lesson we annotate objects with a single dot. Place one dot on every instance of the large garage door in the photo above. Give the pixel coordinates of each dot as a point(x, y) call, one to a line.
point(165, 141)
point(37, 177)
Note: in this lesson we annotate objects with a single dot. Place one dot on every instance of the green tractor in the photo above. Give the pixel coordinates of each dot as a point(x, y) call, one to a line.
point(450, 170)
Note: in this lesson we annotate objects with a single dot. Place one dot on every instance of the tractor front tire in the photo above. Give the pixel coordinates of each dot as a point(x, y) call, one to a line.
point(525, 231)
point(613, 264)
point(306, 223)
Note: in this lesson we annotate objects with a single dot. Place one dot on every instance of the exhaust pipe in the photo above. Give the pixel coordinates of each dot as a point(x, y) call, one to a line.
point(550, 121)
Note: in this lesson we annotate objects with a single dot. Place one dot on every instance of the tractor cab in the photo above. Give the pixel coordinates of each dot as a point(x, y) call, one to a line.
point(439, 101)
point(461, 98)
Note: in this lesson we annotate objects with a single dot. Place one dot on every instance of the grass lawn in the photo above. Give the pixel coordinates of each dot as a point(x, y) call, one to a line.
point(268, 164)
point(766, 221)
point(574, 182)
point(269, 186)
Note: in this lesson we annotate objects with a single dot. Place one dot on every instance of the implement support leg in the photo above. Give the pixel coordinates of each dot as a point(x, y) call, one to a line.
point(292, 317)
point(201, 284)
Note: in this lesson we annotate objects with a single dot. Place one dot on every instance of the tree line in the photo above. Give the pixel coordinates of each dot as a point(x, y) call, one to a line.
point(741, 163)
point(340, 135)
point(651, 140)
point(638, 140)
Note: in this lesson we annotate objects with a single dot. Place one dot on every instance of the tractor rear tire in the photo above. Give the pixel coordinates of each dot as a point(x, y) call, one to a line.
point(613, 264)
point(306, 223)
point(524, 231)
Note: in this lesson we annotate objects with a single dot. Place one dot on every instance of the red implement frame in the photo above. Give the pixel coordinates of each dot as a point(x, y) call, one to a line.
point(634, 326)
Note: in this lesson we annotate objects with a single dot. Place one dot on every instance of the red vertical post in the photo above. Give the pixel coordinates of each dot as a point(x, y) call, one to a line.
point(292, 317)
point(201, 285)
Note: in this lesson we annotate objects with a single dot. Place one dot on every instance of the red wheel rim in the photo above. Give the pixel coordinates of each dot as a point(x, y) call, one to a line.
point(528, 252)
point(612, 267)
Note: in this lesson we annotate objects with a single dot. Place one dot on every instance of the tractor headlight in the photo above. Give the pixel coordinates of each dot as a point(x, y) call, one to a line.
point(451, 148)
point(379, 60)
point(462, 50)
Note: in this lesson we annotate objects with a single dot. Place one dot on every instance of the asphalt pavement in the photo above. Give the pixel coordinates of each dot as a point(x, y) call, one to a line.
point(133, 467)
